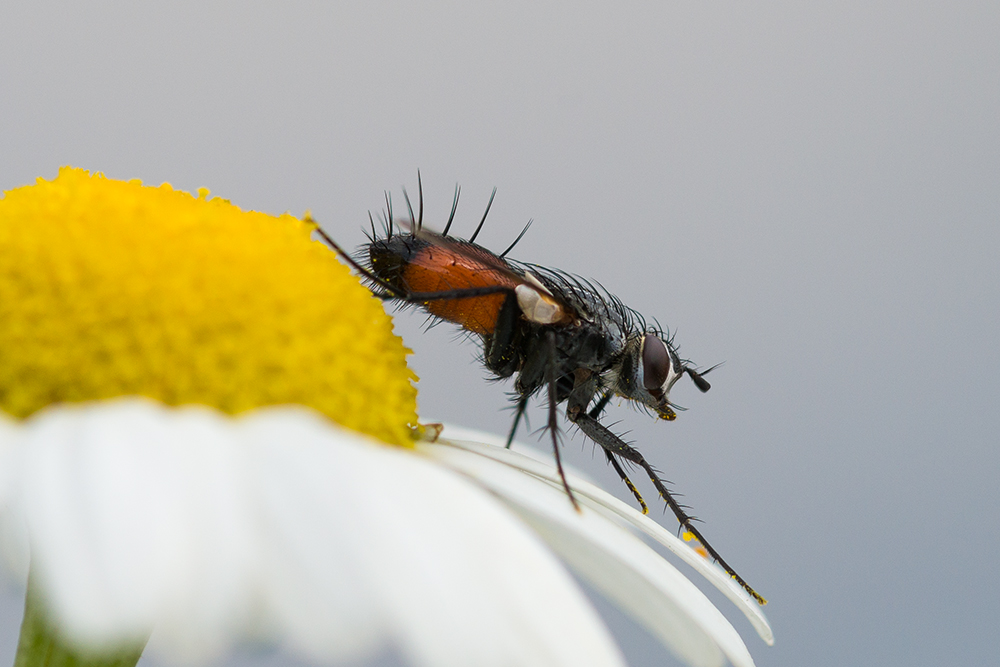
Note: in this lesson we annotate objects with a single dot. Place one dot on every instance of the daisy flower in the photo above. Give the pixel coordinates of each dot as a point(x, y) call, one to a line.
point(208, 434)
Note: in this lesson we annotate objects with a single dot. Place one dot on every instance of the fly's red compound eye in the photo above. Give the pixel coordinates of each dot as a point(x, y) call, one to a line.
point(655, 365)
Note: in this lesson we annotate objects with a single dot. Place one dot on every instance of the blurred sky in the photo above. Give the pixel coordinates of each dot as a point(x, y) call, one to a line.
point(807, 191)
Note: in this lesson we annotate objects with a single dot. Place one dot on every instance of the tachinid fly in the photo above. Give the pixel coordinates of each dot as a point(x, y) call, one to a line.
point(553, 332)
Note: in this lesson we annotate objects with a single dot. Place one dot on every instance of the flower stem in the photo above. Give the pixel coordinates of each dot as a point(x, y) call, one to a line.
point(41, 646)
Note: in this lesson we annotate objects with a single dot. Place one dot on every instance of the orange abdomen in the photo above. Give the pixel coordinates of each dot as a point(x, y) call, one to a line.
point(418, 266)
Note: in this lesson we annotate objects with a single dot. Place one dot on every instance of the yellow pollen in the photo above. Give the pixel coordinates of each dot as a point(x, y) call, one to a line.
point(112, 288)
point(688, 536)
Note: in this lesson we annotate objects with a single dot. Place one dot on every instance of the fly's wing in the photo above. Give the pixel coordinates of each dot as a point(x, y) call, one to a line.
point(538, 303)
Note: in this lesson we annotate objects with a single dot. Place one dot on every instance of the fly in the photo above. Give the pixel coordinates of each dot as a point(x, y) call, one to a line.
point(555, 333)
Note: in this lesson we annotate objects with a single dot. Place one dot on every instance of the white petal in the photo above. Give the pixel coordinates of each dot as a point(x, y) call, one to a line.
point(454, 578)
point(138, 519)
point(541, 466)
point(281, 524)
point(622, 567)
point(602, 501)
point(14, 552)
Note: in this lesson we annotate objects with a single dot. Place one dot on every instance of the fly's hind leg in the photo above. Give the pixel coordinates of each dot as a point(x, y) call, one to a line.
point(614, 445)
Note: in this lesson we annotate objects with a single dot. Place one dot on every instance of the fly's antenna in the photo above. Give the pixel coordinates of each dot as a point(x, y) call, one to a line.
point(483, 221)
point(454, 207)
point(699, 377)
point(519, 237)
point(698, 380)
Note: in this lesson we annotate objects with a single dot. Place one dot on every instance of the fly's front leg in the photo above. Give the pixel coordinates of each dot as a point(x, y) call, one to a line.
point(631, 487)
point(595, 413)
point(611, 443)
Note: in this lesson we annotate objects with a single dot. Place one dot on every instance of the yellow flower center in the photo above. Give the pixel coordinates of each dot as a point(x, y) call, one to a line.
point(111, 288)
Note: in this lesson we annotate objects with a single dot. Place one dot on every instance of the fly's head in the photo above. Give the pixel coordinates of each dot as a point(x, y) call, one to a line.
point(648, 369)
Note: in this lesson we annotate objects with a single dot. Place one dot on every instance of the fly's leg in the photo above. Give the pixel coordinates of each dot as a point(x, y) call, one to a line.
point(553, 424)
point(500, 349)
point(598, 408)
point(612, 444)
point(631, 487)
point(522, 405)
point(595, 414)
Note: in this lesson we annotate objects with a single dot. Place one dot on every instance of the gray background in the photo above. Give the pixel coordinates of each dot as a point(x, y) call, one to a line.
point(807, 191)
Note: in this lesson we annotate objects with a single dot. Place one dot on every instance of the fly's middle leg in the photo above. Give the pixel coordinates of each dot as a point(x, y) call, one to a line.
point(553, 423)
